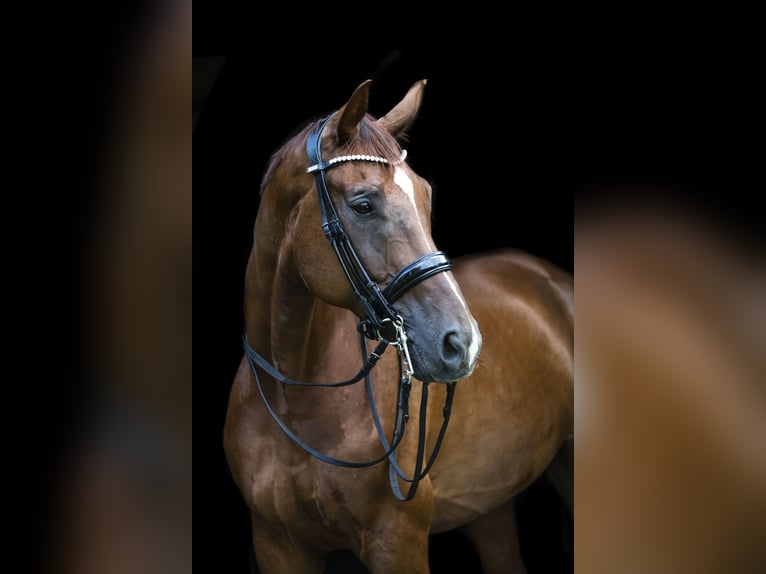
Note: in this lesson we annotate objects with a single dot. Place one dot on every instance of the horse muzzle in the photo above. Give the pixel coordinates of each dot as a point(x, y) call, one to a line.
point(447, 357)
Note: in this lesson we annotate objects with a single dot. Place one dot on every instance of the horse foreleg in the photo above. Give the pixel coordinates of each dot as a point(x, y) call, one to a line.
point(396, 543)
point(561, 474)
point(495, 538)
point(284, 554)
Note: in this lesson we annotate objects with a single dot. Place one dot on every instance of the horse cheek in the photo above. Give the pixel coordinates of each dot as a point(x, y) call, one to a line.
point(320, 270)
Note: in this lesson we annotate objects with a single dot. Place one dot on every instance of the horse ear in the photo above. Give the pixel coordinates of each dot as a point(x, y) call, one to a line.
point(353, 111)
point(398, 120)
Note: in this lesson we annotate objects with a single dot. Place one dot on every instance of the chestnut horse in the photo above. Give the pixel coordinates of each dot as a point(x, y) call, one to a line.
point(319, 434)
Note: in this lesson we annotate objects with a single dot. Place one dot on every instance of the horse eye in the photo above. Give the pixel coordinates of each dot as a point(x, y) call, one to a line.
point(362, 208)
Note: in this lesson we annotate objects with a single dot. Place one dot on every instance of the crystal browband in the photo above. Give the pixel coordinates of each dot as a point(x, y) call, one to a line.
point(354, 157)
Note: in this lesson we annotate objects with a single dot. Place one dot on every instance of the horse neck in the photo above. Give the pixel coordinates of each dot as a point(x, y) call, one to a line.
point(285, 322)
point(308, 340)
point(276, 309)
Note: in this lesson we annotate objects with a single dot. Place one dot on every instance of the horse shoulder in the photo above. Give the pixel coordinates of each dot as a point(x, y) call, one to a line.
point(516, 408)
point(519, 298)
point(510, 275)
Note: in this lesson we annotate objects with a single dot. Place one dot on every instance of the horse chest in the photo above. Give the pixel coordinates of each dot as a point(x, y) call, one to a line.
point(324, 503)
point(297, 493)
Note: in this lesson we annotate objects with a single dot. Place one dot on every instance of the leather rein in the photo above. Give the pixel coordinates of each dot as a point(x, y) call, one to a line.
point(382, 323)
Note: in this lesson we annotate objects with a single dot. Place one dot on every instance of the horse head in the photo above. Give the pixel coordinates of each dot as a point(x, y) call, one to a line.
point(376, 211)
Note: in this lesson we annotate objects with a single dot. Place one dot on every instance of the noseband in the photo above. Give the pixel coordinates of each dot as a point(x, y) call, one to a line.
point(381, 323)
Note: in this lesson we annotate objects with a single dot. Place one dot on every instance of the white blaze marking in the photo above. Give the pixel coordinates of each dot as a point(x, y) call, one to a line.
point(405, 184)
point(473, 350)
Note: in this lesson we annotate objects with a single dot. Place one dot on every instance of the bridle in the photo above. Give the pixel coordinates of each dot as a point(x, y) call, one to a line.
point(377, 304)
point(381, 323)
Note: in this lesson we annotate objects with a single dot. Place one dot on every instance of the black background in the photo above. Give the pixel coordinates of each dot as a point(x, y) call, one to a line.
point(489, 137)
point(528, 115)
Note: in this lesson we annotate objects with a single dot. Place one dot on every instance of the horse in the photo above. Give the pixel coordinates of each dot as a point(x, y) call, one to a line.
point(386, 392)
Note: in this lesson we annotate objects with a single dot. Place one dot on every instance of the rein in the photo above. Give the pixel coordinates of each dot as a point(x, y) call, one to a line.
point(381, 323)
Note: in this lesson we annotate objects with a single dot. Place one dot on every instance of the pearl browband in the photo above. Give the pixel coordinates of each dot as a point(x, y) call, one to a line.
point(354, 157)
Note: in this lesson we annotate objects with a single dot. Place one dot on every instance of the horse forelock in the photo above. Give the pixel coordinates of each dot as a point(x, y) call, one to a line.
point(369, 139)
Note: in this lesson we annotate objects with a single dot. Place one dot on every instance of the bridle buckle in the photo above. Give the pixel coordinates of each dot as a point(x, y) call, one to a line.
point(399, 340)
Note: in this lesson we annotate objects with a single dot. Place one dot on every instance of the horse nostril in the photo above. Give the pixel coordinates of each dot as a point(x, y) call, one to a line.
point(453, 349)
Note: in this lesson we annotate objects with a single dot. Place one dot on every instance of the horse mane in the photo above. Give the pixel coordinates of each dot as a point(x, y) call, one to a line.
point(369, 139)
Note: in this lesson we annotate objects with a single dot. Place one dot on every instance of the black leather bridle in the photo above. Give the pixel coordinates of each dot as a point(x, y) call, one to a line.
point(381, 322)
point(377, 304)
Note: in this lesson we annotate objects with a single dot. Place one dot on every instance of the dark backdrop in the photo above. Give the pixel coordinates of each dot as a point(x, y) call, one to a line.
point(488, 137)
point(524, 113)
